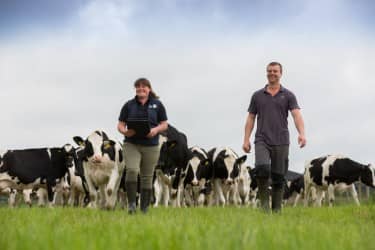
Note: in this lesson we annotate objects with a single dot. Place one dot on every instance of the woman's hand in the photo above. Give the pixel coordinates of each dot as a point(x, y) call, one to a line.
point(129, 132)
point(153, 132)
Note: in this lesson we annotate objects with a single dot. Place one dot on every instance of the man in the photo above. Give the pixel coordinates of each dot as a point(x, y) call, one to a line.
point(271, 105)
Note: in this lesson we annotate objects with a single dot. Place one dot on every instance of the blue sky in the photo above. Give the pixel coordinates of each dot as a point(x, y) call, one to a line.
point(67, 67)
point(193, 16)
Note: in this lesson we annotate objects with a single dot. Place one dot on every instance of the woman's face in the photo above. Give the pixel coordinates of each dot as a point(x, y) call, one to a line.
point(142, 91)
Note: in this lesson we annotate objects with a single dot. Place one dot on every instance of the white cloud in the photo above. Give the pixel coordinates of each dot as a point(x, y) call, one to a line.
point(76, 81)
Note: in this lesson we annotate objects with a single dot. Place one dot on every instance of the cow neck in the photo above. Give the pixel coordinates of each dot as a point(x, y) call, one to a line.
point(186, 158)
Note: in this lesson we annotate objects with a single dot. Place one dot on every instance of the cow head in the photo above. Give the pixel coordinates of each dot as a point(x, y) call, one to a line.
point(165, 161)
point(238, 165)
point(244, 175)
point(227, 165)
point(2, 153)
point(297, 185)
point(173, 154)
point(368, 175)
point(96, 146)
point(70, 155)
point(198, 167)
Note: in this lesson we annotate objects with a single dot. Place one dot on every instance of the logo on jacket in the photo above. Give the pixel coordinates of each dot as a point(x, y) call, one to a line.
point(152, 106)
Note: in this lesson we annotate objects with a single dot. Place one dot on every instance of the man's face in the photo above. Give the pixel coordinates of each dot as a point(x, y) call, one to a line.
point(273, 73)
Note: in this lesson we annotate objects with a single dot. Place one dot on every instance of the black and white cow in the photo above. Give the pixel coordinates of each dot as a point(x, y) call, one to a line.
point(294, 188)
point(171, 167)
point(326, 172)
point(245, 182)
point(79, 194)
point(198, 172)
point(226, 169)
point(292, 185)
point(33, 168)
point(103, 166)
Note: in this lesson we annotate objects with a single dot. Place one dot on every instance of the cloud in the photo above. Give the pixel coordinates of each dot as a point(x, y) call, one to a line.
point(73, 81)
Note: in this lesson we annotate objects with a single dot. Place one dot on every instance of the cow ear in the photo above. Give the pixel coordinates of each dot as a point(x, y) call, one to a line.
point(108, 143)
point(242, 159)
point(206, 162)
point(171, 144)
point(79, 141)
point(68, 147)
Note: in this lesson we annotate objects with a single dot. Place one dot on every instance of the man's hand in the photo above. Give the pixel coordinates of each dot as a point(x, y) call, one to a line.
point(246, 147)
point(301, 141)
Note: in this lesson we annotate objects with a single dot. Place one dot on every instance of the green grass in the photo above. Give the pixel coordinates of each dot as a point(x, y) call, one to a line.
point(341, 227)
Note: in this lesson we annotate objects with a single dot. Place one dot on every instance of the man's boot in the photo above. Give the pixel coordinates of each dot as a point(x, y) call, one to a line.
point(264, 193)
point(277, 198)
point(145, 199)
point(131, 190)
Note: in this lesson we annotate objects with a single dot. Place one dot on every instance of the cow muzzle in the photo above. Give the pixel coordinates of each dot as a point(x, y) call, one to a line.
point(194, 183)
point(229, 182)
point(96, 159)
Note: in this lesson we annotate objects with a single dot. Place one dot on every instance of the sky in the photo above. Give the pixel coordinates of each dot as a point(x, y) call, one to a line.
point(67, 68)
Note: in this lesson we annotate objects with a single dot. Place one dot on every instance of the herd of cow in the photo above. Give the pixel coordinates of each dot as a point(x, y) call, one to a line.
point(93, 173)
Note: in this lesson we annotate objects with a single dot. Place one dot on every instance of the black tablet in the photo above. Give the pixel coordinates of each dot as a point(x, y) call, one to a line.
point(141, 127)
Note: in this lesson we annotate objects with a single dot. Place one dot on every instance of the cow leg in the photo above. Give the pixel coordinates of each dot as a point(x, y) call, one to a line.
point(51, 185)
point(219, 195)
point(102, 196)
point(298, 196)
point(188, 195)
point(72, 198)
point(165, 194)
point(157, 191)
point(233, 196)
point(112, 188)
point(331, 194)
point(201, 193)
point(353, 191)
point(117, 187)
point(307, 192)
point(93, 193)
point(41, 193)
point(253, 197)
point(112, 181)
point(179, 198)
point(27, 196)
point(319, 196)
point(12, 197)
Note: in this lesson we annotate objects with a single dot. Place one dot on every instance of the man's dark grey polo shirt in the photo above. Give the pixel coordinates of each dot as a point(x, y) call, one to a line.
point(272, 115)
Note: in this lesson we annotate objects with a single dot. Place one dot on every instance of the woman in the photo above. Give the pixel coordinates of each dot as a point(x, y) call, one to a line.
point(141, 148)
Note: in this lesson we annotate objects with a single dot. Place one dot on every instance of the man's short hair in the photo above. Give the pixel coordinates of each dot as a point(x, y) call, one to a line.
point(276, 64)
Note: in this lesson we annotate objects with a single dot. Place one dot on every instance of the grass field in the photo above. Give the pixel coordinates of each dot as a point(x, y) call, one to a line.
point(341, 227)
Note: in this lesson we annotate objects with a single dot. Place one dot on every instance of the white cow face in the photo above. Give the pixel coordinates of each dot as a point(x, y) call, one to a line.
point(226, 165)
point(96, 146)
point(1, 158)
point(367, 175)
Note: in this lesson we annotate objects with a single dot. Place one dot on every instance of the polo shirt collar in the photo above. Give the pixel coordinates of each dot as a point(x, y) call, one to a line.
point(281, 88)
point(148, 100)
